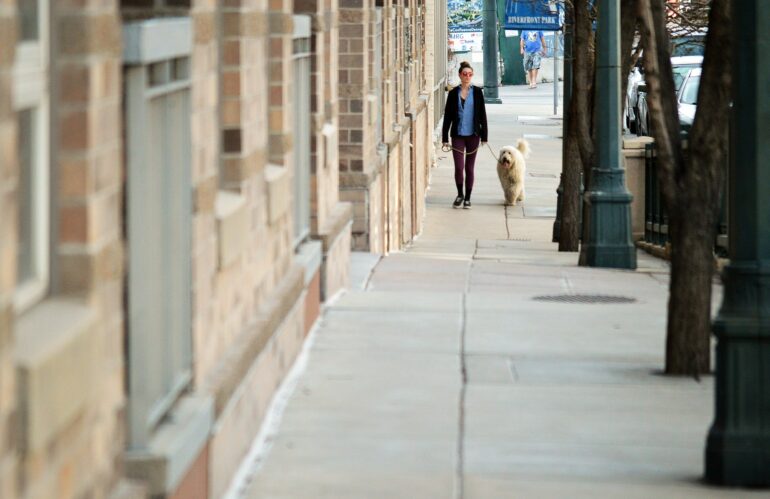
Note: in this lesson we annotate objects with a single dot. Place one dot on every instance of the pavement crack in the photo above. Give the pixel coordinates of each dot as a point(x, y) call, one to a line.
point(566, 284)
point(507, 229)
point(513, 371)
point(371, 274)
point(460, 470)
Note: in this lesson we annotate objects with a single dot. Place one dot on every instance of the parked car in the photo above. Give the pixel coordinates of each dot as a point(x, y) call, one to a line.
point(682, 68)
point(687, 42)
point(634, 78)
point(688, 100)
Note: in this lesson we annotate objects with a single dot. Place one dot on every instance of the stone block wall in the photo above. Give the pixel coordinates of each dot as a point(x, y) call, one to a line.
point(394, 197)
point(393, 101)
point(8, 230)
point(67, 346)
point(233, 100)
point(406, 179)
point(206, 146)
point(244, 181)
point(250, 294)
point(273, 346)
point(355, 137)
point(329, 218)
point(279, 81)
point(634, 163)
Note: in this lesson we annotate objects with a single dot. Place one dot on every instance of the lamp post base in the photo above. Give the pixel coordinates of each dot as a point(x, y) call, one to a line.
point(737, 460)
point(609, 243)
point(738, 444)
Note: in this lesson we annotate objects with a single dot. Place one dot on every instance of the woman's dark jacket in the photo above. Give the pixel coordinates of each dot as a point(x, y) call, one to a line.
point(451, 115)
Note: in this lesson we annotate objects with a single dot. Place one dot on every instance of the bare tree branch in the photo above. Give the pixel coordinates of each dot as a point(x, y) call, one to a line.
point(661, 95)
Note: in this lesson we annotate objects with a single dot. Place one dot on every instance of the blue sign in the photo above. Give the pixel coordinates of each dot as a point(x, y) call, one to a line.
point(544, 15)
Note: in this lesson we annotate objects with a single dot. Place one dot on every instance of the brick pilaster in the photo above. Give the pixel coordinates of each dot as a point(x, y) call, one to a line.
point(279, 81)
point(356, 145)
point(88, 144)
point(206, 155)
point(244, 93)
point(86, 192)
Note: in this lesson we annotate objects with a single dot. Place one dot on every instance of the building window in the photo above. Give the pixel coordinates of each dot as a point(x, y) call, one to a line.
point(302, 116)
point(30, 94)
point(33, 215)
point(29, 19)
point(136, 10)
point(158, 220)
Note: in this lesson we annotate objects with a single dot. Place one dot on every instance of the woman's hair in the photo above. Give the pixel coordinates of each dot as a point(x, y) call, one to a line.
point(463, 65)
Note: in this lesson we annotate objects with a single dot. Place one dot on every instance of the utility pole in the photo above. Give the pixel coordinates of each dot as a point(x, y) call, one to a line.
point(489, 40)
point(738, 444)
point(555, 73)
point(609, 239)
point(567, 29)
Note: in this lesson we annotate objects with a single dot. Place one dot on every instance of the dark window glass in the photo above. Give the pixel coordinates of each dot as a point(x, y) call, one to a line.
point(29, 20)
point(690, 92)
point(26, 260)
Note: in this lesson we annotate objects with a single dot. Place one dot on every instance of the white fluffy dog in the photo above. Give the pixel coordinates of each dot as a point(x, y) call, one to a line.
point(511, 168)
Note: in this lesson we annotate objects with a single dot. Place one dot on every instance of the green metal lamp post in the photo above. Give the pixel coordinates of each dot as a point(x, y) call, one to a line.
point(738, 444)
point(489, 40)
point(609, 239)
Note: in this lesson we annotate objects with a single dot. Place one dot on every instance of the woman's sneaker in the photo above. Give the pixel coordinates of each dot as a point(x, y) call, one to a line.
point(458, 201)
point(467, 204)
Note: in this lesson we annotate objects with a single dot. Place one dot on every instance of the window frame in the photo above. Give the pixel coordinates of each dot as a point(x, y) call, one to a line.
point(157, 80)
point(302, 84)
point(31, 75)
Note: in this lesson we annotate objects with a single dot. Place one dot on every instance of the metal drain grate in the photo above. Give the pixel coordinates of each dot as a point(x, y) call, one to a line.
point(588, 299)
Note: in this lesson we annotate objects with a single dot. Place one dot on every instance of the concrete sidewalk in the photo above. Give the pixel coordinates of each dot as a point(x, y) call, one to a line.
point(463, 370)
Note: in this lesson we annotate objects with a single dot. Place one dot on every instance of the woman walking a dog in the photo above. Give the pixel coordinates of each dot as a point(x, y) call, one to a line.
point(465, 119)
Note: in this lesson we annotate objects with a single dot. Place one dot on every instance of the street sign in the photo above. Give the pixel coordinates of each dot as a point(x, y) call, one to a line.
point(543, 15)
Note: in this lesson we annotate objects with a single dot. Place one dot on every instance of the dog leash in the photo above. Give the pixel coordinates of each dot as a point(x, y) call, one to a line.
point(448, 148)
point(494, 156)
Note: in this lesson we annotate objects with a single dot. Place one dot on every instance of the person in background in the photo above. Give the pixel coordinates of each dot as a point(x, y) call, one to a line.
point(532, 47)
point(466, 116)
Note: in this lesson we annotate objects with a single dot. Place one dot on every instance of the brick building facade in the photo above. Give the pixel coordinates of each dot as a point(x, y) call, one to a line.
point(181, 185)
point(389, 84)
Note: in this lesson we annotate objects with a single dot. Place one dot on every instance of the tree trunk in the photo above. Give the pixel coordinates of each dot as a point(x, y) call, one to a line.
point(569, 231)
point(688, 333)
point(584, 74)
point(690, 184)
point(661, 98)
point(569, 237)
point(702, 176)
